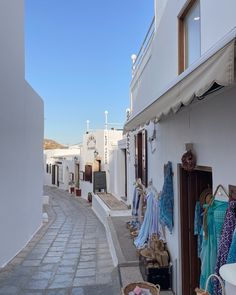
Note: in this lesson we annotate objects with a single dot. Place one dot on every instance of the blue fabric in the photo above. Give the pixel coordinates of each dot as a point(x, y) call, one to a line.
point(215, 220)
point(198, 222)
point(147, 223)
point(232, 251)
point(155, 218)
point(167, 199)
point(136, 201)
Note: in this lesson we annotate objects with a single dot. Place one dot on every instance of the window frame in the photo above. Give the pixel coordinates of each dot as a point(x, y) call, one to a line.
point(181, 35)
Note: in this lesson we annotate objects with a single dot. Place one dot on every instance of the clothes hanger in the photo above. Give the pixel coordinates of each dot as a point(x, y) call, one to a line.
point(220, 194)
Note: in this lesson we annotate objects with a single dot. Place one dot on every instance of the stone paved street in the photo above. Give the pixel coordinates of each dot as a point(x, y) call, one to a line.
point(69, 255)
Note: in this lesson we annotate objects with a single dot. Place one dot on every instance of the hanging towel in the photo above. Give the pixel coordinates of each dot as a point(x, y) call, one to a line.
point(167, 199)
point(225, 241)
point(136, 201)
point(147, 223)
point(232, 251)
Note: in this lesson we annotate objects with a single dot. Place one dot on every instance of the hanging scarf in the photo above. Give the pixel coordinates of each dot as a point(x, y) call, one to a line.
point(167, 199)
point(147, 223)
point(225, 242)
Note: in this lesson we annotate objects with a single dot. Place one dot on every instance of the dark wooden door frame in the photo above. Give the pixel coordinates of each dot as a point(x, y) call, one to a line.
point(189, 186)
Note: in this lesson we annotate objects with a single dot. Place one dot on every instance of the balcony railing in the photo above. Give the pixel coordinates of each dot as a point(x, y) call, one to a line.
point(145, 45)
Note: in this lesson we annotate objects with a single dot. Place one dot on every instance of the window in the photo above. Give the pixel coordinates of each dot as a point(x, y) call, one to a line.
point(141, 156)
point(189, 35)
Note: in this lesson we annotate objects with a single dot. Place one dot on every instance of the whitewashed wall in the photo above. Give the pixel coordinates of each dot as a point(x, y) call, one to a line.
point(210, 126)
point(21, 131)
point(87, 156)
point(160, 66)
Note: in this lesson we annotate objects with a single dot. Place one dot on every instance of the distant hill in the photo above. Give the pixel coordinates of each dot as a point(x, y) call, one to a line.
point(50, 144)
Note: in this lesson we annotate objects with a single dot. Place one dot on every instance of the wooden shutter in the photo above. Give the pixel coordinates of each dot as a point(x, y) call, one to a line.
point(144, 158)
point(53, 174)
point(88, 173)
point(136, 155)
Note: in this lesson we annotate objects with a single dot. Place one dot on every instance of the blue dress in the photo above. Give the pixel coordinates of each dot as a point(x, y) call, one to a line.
point(215, 219)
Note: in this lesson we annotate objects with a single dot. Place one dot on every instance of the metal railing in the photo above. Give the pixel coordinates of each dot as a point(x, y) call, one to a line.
point(146, 42)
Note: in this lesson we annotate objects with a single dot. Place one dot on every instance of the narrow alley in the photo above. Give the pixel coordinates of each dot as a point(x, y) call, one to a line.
point(69, 255)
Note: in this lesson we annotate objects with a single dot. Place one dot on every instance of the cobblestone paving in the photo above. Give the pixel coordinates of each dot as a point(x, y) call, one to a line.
point(69, 255)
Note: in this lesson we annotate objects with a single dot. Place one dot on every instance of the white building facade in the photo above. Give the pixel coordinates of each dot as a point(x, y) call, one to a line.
point(21, 129)
point(183, 92)
point(97, 155)
point(61, 167)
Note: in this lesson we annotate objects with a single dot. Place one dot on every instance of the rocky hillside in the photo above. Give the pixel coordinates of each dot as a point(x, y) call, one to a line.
point(50, 144)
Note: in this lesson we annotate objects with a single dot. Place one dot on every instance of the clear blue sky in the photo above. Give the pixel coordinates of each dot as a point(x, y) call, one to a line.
point(78, 59)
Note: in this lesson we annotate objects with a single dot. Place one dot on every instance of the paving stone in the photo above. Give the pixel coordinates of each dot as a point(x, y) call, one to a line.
point(90, 264)
point(42, 275)
point(71, 256)
point(87, 258)
point(65, 269)
point(68, 262)
point(47, 267)
point(34, 262)
point(77, 291)
point(58, 292)
point(84, 281)
point(103, 279)
point(8, 290)
point(85, 272)
point(25, 292)
point(37, 284)
point(54, 254)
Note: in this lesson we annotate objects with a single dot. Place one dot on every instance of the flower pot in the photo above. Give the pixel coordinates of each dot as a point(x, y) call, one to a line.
point(90, 197)
point(78, 192)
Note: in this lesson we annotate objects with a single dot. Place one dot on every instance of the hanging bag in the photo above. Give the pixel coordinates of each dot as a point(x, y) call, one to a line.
point(205, 292)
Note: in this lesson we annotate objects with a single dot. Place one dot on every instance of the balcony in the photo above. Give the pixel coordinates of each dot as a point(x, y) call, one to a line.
point(140, 64)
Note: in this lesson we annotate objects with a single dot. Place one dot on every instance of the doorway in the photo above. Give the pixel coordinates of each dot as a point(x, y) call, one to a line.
point(191, 186)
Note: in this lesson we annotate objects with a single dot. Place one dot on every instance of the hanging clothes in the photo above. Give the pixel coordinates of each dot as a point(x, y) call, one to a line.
point(147, 223)
point(225, 241)
point(155, 213)
point(215, 220)
point(232, 251)
point(198, 222)
point(167, 199)
point(136, 201)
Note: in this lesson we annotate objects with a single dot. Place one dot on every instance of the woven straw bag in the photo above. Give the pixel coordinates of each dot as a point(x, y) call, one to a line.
point(204, 292)
point(154, 289)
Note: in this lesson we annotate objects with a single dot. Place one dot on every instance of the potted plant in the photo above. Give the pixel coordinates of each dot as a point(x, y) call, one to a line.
point(72, 186)
point(90, 195)
point(77, 190)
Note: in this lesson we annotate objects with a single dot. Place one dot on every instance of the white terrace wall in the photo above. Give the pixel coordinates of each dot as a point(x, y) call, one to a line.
point(160, 66)
point(21, 131)
point(210, 126)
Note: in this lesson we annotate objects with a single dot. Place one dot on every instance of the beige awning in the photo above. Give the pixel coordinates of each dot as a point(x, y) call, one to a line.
point(219, 68)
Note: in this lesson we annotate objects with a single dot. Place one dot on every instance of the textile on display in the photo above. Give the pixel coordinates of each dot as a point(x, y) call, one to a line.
point(225, 241)
point(214, 219)
point(167, 199)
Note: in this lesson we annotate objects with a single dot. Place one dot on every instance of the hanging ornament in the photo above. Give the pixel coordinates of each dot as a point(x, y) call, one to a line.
point(188, 161)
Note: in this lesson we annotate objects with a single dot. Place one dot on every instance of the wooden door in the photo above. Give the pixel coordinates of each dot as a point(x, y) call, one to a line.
point(191, 186)
point(53, 174)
